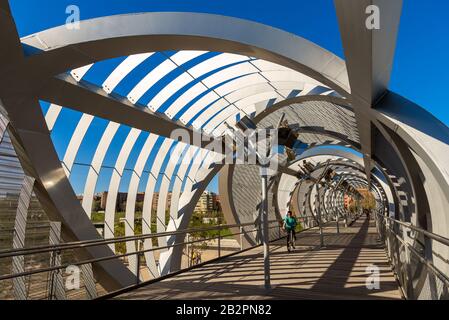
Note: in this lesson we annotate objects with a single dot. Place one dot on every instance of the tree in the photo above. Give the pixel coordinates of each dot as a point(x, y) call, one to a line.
point(96, 206)
point(368, 201)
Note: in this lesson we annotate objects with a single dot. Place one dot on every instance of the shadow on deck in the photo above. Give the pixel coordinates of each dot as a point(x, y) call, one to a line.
point(337, 271)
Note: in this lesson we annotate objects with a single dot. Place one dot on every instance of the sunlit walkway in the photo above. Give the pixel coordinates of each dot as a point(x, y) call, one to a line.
point(338, 271)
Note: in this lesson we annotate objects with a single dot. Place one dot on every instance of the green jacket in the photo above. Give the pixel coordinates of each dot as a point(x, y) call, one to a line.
point(290, 223)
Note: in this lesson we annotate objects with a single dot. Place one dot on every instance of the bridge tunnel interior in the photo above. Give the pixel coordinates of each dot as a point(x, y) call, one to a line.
point(101, 117)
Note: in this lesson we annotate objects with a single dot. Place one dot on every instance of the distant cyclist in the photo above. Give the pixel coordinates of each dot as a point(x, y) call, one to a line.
point(290, 226)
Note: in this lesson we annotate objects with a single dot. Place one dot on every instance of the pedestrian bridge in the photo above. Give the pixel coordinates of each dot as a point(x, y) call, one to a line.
point(339, 270)
point(101, 166)
point(356, 259)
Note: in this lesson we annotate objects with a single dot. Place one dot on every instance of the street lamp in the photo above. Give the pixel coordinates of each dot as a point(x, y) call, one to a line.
point(265, 148)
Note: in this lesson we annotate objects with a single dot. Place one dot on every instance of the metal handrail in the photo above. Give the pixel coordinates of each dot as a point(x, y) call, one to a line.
point(431, 235)
point(423, 259)
point(91, 243)
point(98, 242)
point(138, 252)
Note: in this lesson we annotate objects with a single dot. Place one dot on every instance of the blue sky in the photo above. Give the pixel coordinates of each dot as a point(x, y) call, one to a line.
point(420, 72)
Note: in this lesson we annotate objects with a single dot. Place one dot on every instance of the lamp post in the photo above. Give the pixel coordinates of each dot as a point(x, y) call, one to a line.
point(265, 157)
point(264, 148)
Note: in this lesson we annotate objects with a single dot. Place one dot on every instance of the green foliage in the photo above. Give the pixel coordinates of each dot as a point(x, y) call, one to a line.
point(353, 206)
point(119, 231)
point(97, 217)
point(368, 202)
point(195, 223)
point(96, 206)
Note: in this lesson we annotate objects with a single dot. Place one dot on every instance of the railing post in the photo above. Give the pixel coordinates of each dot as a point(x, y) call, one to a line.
point(138, 268)
point(139, 254)
point(338, 225)
point(189, 263)
point(321, 236)
point(241, 238)
point(52, 276)
point(388, 237)
point(320, 226)
point(219, 241)
point(279, 231)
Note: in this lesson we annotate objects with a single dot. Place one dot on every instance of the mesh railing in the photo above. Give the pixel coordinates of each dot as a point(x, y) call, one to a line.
point(417, 257)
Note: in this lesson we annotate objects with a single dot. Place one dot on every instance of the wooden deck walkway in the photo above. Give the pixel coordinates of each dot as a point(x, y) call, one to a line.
point(337, 271)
